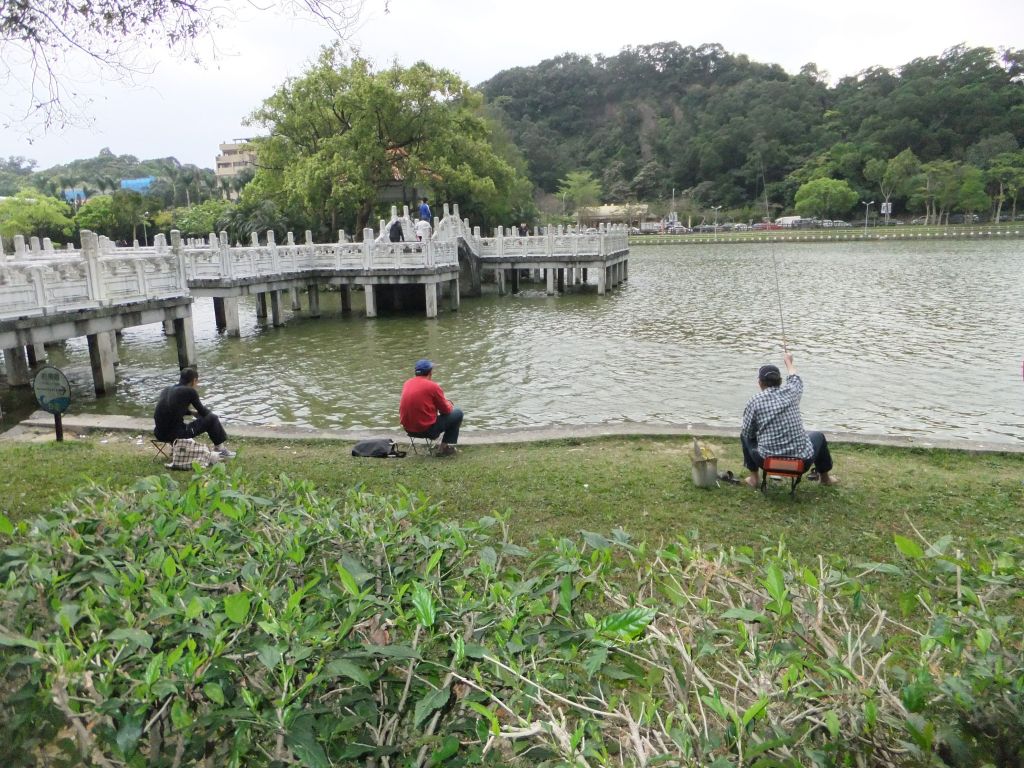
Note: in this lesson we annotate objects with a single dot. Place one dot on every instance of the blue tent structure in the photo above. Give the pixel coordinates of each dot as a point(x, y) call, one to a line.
point(74, 195)
point(138, 185)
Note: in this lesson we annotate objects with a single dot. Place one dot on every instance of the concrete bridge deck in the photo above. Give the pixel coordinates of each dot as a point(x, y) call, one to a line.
point(49, 295)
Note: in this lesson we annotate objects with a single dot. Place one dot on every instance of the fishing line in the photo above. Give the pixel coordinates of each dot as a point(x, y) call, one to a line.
point(771, 251)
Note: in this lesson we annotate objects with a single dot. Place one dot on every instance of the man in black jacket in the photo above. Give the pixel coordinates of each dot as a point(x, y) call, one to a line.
point(175, 403)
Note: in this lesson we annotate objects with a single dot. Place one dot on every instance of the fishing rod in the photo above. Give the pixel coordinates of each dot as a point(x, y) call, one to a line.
point(771, 251)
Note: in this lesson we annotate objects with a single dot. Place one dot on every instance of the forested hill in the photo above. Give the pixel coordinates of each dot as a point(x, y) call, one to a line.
point(664, 116)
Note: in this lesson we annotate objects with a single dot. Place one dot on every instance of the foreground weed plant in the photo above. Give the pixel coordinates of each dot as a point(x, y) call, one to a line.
point(199, 624)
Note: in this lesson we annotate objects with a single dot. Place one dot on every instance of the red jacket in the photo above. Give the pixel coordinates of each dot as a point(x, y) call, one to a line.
point(422, 400)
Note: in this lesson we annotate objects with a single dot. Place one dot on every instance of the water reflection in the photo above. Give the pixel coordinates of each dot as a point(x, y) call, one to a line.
point(900, 338)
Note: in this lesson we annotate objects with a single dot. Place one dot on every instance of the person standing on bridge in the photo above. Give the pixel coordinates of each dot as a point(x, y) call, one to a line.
point(175, 402)
point(425, 211)
point(424, 411)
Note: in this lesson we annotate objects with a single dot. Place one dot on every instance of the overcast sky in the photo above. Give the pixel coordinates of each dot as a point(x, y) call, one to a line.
point(186, 110)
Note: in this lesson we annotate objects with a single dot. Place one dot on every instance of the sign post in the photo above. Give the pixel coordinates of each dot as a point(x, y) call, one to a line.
point(53, 393)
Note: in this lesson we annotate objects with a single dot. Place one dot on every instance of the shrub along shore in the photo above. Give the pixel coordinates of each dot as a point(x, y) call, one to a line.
point(565, 602)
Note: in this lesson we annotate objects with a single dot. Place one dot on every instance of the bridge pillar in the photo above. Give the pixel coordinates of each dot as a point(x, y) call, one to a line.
point(561, 279)
point(101, 359)
point(499, 277)
point(625, 269)
point(313, 294)
point(232, 326)
point(584, 270)
point(551, 281)
point(515, 281)
point(602, 281)
point(36, 354)
point(261, 308)
point(296, 301)
point(371, 304)
point(453, 294)
point(168, 327)
point(275, 308)
point(17, 367)
point(186, 341)
point(218, 313)
point(346, 299)
point(430, 290)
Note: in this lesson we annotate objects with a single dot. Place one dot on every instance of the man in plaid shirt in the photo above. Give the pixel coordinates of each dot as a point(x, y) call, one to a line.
point(772, 425)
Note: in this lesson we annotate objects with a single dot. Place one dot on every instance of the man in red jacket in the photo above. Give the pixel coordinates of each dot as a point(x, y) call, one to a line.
point(425, 412)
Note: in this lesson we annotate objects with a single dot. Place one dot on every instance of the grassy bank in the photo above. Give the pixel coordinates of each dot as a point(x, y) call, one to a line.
point(640, 484)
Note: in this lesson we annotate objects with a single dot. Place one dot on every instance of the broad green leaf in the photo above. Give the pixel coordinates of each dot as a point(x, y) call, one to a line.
point(775, 583)
point(236, 607)
point(180, 715)
point(595, 540)
point(754, 710)
point(745, 614)
point(128, 736)
point(480, 709)
point(489, 556)
point(895, 570)
point(303, 743)
point(433, 561)
point(270, 655)
point(449, 746)
point(429, 703)
point(423, 603)
point(214, 693)
point(194, 608)
point(6, 527)
point(346, 668)
point(908, 547)
point(347, 580)
point(137, 637)
point(565, 594)
point(169, 568)
point(626, 624)
point(832, 723)
point(11, 640)
point(595, 660)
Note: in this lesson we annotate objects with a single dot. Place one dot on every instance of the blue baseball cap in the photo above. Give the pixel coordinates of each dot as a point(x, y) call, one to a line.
point(423, 366)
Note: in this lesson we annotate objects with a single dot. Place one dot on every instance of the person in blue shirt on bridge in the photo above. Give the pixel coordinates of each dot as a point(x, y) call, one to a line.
point(425, 211)
point(772, 425)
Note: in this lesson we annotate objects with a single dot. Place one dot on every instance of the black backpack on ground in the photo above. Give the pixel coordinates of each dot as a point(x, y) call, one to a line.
point(378, 448)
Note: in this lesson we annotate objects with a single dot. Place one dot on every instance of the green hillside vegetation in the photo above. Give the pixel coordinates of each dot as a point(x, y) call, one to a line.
point(715, 126)
point(698, 128)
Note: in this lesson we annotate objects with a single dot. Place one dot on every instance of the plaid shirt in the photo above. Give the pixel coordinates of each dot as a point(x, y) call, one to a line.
point(772, 421)
point(185, 451)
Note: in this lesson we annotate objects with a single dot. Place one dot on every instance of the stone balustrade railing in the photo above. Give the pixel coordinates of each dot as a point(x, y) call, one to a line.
point(44, 281)
point(38, 279)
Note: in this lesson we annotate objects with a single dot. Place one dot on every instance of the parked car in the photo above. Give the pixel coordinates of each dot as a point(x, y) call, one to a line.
point(918, 220)
point(740, 227)
point(765, 225)
point(678, 229)
point(840, 223)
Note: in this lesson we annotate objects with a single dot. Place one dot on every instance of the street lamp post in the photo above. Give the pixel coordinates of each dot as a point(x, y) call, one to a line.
point(716, 209)
point(145, 237)
point(867, 205)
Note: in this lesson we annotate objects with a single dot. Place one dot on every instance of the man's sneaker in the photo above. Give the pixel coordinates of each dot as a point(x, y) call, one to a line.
point(224, 453)
point(447, 450)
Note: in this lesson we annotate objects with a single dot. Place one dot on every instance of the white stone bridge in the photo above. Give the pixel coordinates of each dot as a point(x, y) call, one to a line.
point(49, 295)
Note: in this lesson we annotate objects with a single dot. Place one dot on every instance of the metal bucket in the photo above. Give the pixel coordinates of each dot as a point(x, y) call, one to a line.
point(705, 473)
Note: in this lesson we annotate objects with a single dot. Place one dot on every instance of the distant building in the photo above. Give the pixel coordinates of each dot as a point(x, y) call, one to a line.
point(73, 195)
point(235, 158)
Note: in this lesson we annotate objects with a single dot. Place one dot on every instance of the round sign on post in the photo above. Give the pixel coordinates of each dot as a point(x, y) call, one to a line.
point(53, 393)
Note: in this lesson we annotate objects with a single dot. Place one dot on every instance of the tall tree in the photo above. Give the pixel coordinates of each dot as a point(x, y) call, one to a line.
point(825, 198)
point(893, 175)
point(1006, 171)
point(30, 214)
point(580, 189)
point(343, 134)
